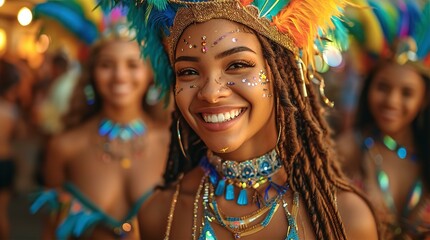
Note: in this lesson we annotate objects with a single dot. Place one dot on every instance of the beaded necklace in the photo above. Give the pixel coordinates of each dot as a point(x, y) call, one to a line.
point(383, 179)
point(400, 150)
point(247, 174)
point(121, 142)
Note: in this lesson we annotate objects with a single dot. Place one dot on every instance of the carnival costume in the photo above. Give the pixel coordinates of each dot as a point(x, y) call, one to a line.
point(302, 27)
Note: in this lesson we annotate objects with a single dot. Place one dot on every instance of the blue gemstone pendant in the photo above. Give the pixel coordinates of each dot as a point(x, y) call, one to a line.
point(220, 188)
point(229, 193)
point(242, 200)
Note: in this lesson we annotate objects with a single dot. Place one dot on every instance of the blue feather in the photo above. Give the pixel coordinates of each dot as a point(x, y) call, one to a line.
point(49, 196)
point(422, 33)
point(85, 221)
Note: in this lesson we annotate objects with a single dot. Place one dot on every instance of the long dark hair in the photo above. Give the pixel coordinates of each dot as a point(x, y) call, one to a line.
point(420, 125)
point(305, 145)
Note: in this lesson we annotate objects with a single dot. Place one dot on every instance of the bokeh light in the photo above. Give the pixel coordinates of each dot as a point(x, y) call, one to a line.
point(25, 16)
point(2, 3)
point(332, 56)
point(3, 40)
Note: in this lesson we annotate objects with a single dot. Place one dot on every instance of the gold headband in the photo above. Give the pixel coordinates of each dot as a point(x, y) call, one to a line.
point(198, 12)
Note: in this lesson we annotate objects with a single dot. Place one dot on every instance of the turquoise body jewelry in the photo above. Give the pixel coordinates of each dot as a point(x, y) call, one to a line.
point(124, 132)
point(248, 174)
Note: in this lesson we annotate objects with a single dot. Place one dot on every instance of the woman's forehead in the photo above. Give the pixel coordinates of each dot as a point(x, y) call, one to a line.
point(202, 37)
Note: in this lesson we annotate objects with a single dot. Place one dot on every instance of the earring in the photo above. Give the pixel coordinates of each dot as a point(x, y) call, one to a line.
point(153, 95)
point(301, 66)
point(178, 131)
point(90, 96)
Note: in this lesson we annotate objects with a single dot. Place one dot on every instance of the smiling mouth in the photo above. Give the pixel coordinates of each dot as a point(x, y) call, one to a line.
point(221, 117)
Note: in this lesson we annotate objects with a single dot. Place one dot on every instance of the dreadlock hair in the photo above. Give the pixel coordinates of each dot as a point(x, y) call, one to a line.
point(420, 125)
point(308, 158)
point(80, 111)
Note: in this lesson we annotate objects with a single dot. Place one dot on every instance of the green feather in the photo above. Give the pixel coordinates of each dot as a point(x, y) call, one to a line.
point(270, 8)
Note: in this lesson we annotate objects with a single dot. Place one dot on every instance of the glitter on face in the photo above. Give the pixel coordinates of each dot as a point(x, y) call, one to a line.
point(234, 39)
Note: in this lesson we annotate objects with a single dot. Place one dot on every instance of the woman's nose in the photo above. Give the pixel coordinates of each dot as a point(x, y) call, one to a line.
point(213, 90)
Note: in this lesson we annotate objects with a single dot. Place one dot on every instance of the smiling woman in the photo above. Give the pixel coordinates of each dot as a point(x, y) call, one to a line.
point(250, 156)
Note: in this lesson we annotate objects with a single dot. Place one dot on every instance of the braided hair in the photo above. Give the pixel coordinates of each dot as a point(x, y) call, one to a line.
point(308, 158)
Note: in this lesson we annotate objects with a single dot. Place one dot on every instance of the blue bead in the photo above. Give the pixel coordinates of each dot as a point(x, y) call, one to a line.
point(229, 193)
point(242, 200)
point(402, 153)
point(105, 127)
point(220, 187)
point(114, 132)
point(368, 142)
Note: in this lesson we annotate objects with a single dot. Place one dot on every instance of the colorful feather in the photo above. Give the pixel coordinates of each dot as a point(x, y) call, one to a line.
point(422, 33)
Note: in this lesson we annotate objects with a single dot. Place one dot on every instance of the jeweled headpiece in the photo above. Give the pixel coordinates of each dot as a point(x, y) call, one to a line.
point(294, 24)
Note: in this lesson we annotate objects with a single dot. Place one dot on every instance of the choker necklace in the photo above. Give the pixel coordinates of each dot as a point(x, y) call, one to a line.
point(400, 150)
point(121, 142)
point(247, 174)
point(125, 132)
point(391, 144)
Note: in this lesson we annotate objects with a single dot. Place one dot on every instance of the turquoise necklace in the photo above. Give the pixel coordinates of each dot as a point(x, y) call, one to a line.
point(225, 174)
point(400, 150)
point(121, 142)
point(124, 132)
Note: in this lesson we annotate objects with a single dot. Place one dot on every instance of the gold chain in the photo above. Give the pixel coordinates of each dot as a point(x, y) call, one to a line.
point(172, 210)
point(196, 206)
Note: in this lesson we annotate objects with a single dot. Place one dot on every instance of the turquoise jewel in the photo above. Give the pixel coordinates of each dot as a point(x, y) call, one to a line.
point(220, 187)
point(389, 142)
point(383, 180)
point(242, 200)
point(401, 152)
point(124, 132)
point(105, 127)
point(229, 193)
point(114, 132)
point(265, 168)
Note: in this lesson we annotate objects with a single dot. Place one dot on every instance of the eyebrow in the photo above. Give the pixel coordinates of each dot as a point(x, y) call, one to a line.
point(218, 56)
point(187, 59)
point(233, 51)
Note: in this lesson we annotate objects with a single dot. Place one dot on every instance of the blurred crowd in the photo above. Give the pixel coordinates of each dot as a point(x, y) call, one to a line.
point(97, 99)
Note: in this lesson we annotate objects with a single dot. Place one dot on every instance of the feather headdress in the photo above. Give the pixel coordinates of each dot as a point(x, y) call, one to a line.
point(394, 29)
point(295, 24)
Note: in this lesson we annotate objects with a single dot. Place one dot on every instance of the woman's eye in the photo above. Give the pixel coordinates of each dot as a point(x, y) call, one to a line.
point(186, 72)
point(239, 65)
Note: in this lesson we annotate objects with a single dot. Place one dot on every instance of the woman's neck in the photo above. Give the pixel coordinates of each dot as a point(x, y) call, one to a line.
point(122, 115)
point(403, 138)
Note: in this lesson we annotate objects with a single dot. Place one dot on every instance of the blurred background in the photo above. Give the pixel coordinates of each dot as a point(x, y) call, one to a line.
point(46, 47)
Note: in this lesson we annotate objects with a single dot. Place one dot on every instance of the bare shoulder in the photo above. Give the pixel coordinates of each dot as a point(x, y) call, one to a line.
point(357, 216)
point(62, 148)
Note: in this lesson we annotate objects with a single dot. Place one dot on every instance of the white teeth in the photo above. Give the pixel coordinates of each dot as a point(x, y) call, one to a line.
point(221, 117)
point(121, 88)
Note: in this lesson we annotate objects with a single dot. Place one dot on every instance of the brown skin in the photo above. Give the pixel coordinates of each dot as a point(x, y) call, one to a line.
point(75, 156)
point(245, 140)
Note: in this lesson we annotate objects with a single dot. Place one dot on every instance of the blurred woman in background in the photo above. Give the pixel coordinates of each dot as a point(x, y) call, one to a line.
point(114, 148)
point(387, 155)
